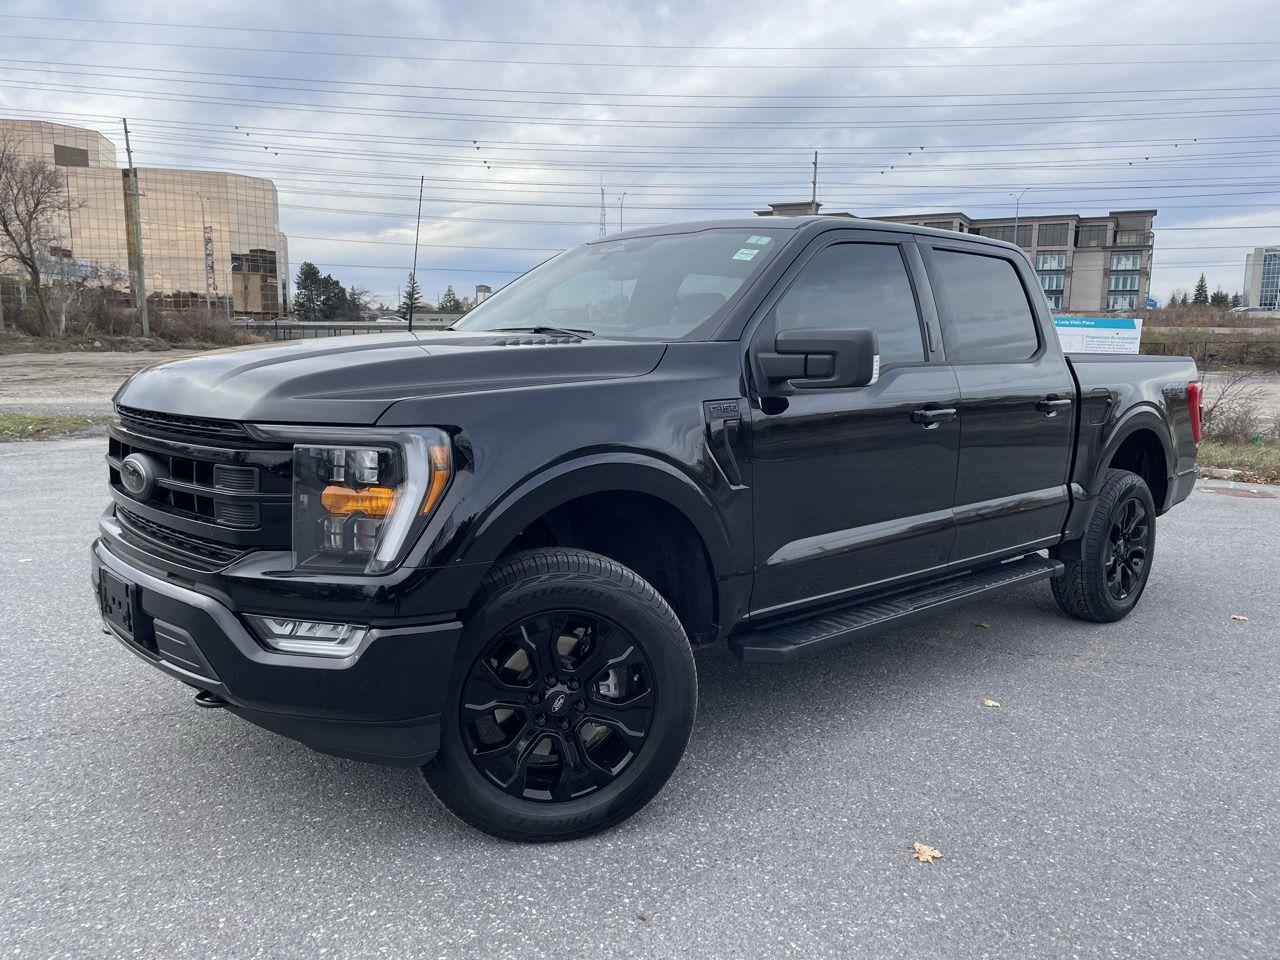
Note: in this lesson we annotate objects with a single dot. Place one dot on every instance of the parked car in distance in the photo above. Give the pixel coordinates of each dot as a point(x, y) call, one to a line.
point(491, 551)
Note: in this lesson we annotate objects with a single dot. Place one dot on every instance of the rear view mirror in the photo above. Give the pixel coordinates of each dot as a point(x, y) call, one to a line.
point(823, 359)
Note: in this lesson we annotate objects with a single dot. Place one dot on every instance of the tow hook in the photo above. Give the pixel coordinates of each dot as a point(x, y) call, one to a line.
point(210, 701)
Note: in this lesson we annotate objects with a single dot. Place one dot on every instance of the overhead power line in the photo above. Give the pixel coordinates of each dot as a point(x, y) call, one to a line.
point(505, 92)
point(514, 97)
point(604, 123)
point(807, 48)
point(652, 65)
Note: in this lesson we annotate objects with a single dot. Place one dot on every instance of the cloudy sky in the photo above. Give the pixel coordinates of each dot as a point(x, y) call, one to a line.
point(517, 114)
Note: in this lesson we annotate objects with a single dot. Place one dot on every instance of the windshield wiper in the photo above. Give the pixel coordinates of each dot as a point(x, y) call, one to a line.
point(563, 331)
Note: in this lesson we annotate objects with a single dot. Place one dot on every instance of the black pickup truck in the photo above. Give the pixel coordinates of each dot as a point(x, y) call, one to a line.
point(490, 551)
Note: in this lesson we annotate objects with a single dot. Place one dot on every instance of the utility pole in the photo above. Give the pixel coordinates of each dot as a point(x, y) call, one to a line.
point(603, 227)
point(139, 281)
point(813, 197)
point(620, 199)
point(413, 274)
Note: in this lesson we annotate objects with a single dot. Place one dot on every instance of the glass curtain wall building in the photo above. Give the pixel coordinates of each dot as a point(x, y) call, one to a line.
point(1262, 278)
point(206, 235)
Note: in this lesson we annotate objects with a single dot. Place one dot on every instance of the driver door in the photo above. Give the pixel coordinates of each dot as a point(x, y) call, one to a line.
point(853, 489)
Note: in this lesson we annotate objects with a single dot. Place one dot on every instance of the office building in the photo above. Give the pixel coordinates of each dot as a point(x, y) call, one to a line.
point(207, 236)
point(1262, 278)
point(1085, 264)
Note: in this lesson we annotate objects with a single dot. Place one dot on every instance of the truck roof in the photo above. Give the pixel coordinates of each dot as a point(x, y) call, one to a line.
point(807, 225)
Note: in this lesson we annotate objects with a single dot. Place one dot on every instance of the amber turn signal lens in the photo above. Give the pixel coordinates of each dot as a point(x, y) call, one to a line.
point(370, 501)
point(441, 470)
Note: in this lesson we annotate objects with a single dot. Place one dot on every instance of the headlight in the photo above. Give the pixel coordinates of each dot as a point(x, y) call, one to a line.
point(357, 505)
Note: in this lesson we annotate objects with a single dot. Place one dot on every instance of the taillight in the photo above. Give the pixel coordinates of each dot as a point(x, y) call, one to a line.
point(1194, 393)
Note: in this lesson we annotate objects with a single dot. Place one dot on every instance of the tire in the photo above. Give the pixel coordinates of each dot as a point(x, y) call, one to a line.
point(527, 759)
point(1087, 588)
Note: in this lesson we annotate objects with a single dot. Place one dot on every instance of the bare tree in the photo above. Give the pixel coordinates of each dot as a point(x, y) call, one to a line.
point(33, 203)
point(1230, 408)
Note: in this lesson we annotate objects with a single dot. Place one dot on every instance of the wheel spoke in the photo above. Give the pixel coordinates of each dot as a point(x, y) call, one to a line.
point(507, 766)
point(578, 775)
point(632, 716)
point(609, 647)
point(485, 690)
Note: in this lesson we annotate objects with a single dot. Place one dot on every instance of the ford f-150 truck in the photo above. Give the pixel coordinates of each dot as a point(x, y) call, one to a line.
point(491, 551)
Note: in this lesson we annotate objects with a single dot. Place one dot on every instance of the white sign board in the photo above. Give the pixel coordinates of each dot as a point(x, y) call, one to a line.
point(1099, 334)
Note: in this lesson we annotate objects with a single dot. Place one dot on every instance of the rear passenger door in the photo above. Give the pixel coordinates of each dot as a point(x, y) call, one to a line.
point(1016, 401)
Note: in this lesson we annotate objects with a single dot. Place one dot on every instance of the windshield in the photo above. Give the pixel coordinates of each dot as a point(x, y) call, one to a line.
point(653, 288)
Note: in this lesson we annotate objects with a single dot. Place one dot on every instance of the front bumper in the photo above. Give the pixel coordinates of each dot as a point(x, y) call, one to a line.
point(381, 704)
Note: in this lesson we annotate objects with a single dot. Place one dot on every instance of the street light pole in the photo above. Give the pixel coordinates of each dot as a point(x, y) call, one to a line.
point(413, 274)
point(1017, 210)
point(620, 199)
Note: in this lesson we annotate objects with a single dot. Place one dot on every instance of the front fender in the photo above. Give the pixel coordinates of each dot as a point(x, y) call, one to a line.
point(618, 471)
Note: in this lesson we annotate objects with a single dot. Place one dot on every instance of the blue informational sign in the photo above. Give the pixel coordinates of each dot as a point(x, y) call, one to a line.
point(1151, 303)
point(1099, 334)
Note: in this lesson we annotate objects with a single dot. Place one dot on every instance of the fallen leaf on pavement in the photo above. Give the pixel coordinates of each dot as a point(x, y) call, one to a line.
point(642, 918)
point(1238, 616)
point(984, 626)
point(925, 853)
point(988, 702)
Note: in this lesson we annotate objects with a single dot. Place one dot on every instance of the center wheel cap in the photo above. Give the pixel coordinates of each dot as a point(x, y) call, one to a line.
point(558, 702)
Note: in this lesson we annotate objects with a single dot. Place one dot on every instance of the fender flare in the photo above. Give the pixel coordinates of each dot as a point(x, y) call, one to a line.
point(1144, 416)
point(569, 480)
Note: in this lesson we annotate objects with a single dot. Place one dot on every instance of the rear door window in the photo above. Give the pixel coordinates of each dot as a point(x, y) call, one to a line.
point(986, 316)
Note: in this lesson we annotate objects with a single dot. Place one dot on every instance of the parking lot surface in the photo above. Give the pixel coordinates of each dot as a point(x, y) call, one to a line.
point(1122, 801)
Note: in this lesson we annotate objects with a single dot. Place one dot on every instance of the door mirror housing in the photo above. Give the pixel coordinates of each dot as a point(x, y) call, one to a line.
point(816, 359)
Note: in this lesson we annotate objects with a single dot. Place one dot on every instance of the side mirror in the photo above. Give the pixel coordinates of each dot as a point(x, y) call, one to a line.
point(822, 359)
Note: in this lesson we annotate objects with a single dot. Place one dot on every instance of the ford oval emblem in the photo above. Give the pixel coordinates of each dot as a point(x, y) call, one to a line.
point(138, 476)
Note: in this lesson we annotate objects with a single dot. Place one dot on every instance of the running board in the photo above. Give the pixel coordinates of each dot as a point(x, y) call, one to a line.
point(791, 640)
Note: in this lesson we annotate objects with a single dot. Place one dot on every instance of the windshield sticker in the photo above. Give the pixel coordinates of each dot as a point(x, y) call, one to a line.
point(760, 241)
point(746, 253)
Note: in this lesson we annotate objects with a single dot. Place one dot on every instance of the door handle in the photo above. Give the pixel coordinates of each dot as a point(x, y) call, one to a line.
point(1051, 404)
point(931, 418)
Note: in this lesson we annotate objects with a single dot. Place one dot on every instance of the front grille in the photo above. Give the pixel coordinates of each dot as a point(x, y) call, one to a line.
point(195, 551)
point(235, 494)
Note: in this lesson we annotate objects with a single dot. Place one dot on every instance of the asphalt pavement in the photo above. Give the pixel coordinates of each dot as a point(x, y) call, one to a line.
point(1122, 801)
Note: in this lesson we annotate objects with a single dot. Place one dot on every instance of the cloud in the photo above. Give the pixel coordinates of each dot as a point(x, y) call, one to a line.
point(515, 140)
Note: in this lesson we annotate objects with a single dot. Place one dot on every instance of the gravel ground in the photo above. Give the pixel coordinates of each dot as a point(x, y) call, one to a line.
point(1121, 802)
point(77, 383)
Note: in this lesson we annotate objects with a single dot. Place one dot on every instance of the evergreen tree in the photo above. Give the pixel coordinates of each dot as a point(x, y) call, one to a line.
point(449, 303)
point(1201, 297)
point(1235, 300)
point(307, 292)
point(1219, 299)
point(1185, 301)
point(333, 298)
point(412, 297)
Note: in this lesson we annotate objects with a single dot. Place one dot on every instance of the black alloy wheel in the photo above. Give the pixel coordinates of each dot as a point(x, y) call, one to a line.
point(1106, 570)
point(1127, 542)
point(557, 706)
point(571, 698)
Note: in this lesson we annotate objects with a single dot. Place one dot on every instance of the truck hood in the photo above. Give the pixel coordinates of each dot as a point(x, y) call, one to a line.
point(352, 380)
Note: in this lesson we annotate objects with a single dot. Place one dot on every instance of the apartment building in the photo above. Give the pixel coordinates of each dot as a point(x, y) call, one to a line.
point(1085, 264)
